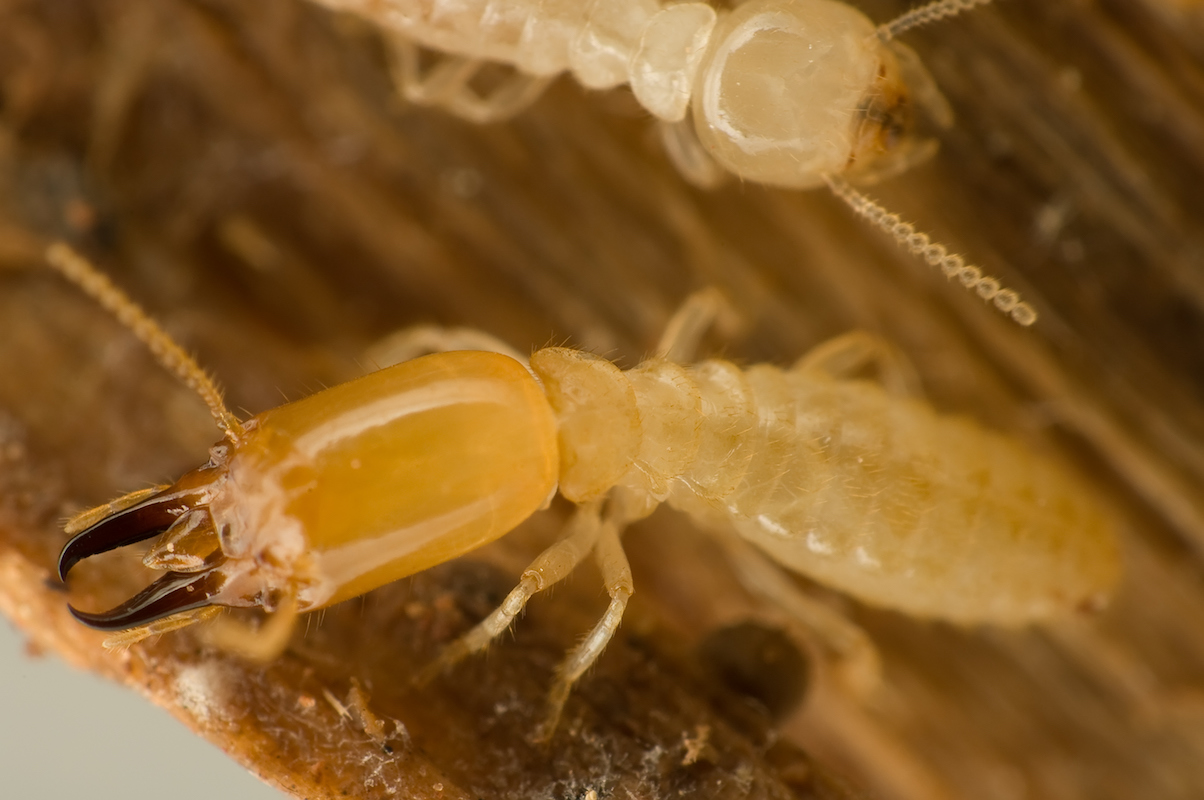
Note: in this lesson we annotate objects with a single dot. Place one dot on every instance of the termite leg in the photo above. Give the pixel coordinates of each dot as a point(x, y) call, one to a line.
point(688, 155)
point(550, 567)
point(848, 354)
point(685, 329)
point(616, 574)
point(447, 85)
point(848, 654)
point(424, 339)
point(260, 643)
point(512, 96)
point(433, 86)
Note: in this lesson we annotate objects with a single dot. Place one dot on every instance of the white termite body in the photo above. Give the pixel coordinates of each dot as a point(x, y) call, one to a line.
point(783, 92)
point(871, 493)
point(789, 93)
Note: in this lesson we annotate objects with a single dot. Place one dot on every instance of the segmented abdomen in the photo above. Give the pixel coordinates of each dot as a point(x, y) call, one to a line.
point(540, 37)
point(873, 494)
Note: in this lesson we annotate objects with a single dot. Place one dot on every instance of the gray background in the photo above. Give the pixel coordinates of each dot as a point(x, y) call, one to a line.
point(68, 734)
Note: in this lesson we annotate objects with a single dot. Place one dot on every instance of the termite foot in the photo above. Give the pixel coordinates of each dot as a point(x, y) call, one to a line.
point(556, 701)
point(542, 735)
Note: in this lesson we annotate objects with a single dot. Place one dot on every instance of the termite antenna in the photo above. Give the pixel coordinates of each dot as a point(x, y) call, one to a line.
point(939, 9)
point(937, 255)
point(75, 268)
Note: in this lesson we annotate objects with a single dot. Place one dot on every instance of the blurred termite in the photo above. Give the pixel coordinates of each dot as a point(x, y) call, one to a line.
point(856, 484)
point(790, 93)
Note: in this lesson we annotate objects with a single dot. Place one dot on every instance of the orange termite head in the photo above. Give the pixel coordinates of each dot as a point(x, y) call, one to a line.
point(328, 497)
point(331, 496)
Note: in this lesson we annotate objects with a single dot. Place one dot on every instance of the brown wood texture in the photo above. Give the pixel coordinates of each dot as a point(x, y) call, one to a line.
point(247, 172)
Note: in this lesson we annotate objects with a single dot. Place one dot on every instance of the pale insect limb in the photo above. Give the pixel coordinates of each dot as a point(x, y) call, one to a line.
point(685, 329)
point(434, 87)
point(851, 655)
point(170, 355)
point(339, 707)
point(88, 518)
point(616, 576)
point(937, 255)
point(423, 339)
point(258, 643)
point(844, 356)
point(550, 567)
point(126, 638)
point(359, 711)
point(687, 154)
point(925, 14)
point(447, 85)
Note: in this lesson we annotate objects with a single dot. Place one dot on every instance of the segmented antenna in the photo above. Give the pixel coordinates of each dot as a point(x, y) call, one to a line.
point(925, 14)
point(937, 255)
point(75, 268)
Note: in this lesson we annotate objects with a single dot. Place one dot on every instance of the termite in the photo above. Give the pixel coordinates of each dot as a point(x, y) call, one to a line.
point(854, 483)
point(790, 93)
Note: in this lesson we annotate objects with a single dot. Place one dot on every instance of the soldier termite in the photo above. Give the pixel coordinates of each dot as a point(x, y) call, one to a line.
point(853, 483)
point(791, 93)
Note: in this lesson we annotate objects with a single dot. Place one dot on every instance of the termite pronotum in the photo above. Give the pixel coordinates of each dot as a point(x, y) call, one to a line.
point(853, 483)
point(790, 93)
